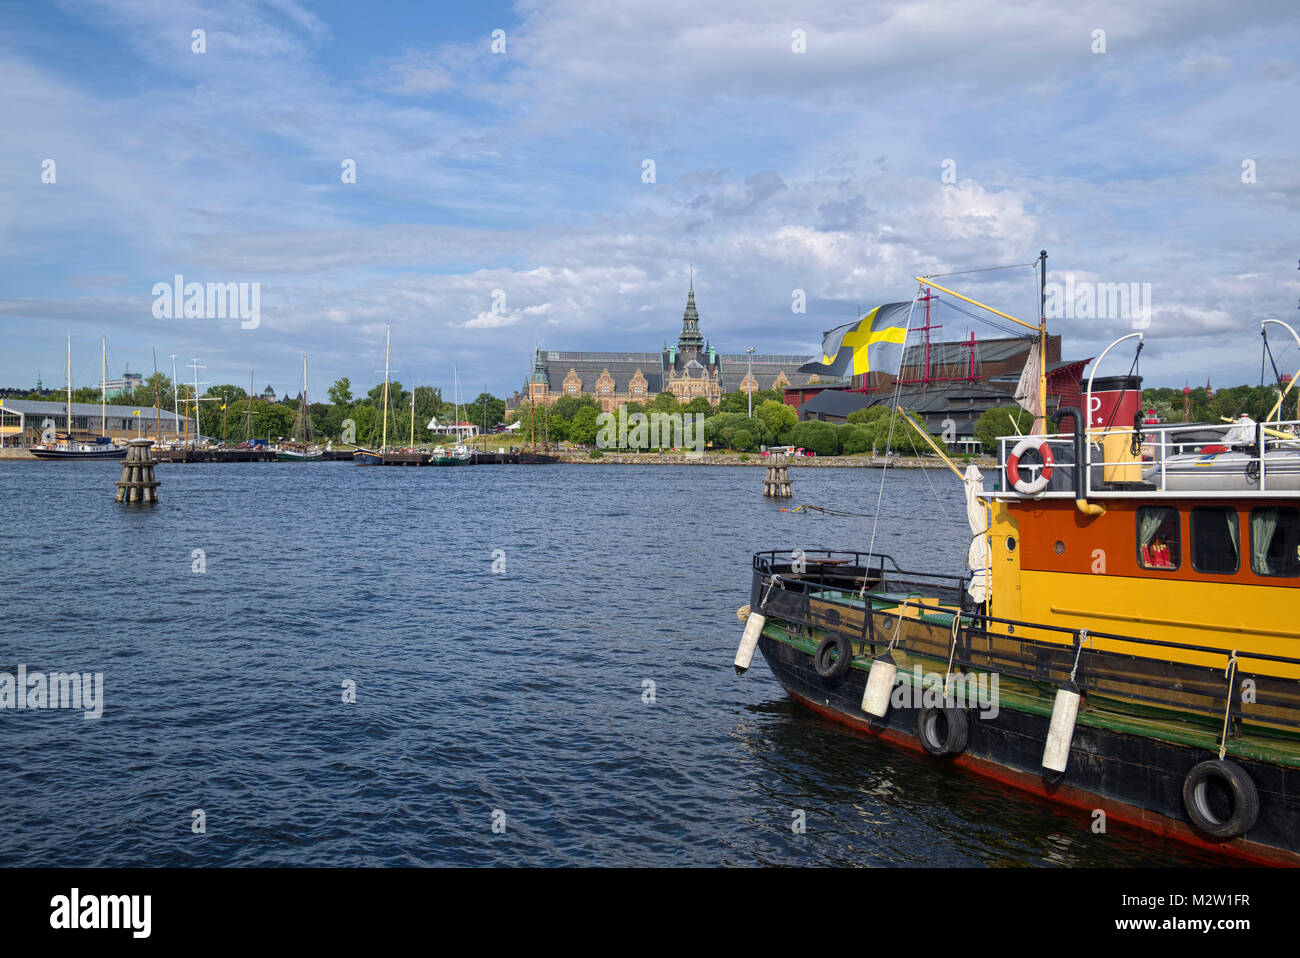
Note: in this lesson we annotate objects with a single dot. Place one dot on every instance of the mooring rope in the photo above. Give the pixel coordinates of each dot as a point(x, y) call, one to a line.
point(1229, 673)
point(827, 512)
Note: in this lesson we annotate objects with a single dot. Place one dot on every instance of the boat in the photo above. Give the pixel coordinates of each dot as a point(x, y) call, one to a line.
point(363, 456)
point(1119, 644)
point(1232, 462)
point(64, 445)
point(301, 449)
point(460, 454)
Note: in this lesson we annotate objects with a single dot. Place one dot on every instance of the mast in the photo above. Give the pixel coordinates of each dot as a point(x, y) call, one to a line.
point(69, 389)
point(103, 388)
point(1040, 425)
point(157, 400)
point(412, 417)
point(302, 408)
point(248, 416)
point(176, 413)
point(197, 431)
point(388, 340)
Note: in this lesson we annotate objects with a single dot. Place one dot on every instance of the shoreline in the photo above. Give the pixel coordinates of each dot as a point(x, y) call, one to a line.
point(815, 462)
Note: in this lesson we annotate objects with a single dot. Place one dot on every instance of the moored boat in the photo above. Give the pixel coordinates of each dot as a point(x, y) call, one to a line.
point(1118, 644)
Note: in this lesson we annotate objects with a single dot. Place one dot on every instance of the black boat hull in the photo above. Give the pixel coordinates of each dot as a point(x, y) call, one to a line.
point(1132, 778)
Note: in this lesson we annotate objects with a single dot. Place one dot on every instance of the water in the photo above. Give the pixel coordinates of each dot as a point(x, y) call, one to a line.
point(475, 692)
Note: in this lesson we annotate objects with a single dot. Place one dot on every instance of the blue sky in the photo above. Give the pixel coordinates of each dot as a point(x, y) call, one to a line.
point(522, 172)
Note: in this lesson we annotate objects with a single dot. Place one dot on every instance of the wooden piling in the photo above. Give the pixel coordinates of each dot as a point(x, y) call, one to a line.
point(776, 484)
point(137, 483)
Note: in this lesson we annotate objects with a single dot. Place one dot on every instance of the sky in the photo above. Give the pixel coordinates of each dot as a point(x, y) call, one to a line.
point(504, 194)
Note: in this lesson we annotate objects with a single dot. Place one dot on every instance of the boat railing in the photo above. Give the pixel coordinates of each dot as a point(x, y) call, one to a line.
point(1212, 459)
point(1233, 685)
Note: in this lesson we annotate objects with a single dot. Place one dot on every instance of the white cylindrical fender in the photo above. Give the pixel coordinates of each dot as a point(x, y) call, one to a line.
point(1059, 734)
point(749, 641)
point(880, 683)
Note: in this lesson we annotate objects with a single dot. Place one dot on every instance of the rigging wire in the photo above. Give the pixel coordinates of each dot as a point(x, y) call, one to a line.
point(982, 269)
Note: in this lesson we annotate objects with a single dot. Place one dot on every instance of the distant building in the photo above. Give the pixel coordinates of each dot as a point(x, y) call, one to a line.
point(22, 421)
point(129, 382)
point(268, 395)
point(691, 369)
point(949, 384)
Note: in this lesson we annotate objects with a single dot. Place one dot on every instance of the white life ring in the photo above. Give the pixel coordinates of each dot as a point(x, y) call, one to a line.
point(1013, 466)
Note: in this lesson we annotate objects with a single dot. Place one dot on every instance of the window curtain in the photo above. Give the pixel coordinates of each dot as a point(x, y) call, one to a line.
point(1234, 534)
point(1151, 520)
point(1263, 526)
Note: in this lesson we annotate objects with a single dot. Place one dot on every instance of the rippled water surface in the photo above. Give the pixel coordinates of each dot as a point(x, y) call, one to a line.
point(521, 692)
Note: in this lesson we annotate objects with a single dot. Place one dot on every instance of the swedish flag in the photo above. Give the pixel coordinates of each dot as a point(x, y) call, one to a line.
point(874, 344)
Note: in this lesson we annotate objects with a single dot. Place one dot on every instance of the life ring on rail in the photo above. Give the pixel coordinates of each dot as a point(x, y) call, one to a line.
point(943, 731)
point(1237, 809)
point(1013, 466)
point(827, 667)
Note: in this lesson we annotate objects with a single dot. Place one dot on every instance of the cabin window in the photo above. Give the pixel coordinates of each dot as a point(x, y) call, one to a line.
point(1160, 538)
point(1275, 541)
point(1216, 539)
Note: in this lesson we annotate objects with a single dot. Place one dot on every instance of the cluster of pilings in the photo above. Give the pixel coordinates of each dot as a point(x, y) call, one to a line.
point(776, 484)
point(137, 483)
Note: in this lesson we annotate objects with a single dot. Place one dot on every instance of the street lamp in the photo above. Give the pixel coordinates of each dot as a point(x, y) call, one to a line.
point(750, 390)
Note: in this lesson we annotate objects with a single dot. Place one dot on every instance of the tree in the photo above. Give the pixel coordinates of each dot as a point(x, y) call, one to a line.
point(664, 402)
point(742, 441)
point(341, 392)
point(869, 415)
point(855, 439)
point(778, 418)
point(721, 429)
point(818, 437)
point(582, 430)
point(486, 410)
point(697, 405)
point(1001, 421)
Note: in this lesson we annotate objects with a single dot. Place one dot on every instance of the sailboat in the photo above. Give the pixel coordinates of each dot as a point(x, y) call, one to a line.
point(301, 449)
point(460, 455)
point(64, 447)
point(375, 457)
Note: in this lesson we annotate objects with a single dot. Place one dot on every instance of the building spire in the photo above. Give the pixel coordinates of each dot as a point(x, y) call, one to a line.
point(690, 341)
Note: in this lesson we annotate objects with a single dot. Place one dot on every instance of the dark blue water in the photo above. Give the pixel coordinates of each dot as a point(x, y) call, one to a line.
point(521, 692)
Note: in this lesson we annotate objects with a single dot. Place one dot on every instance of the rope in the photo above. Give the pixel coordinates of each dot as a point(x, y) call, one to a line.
point(1229, 674)
point(1083, 637)
point(889, 442)
point(982, 269)
point(827, 512)
point(952, 652)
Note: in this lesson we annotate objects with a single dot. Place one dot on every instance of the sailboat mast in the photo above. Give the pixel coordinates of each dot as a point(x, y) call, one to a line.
point(302, 410)
point(157, 401)
point(69, 389)
point(248, 414)
point(412, 417)
point(103, 388)
point(176, 412)
point(388, 341)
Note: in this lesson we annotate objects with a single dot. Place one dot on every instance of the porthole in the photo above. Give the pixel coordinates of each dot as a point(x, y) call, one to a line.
point(1011, 543)
point(1059, 548)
